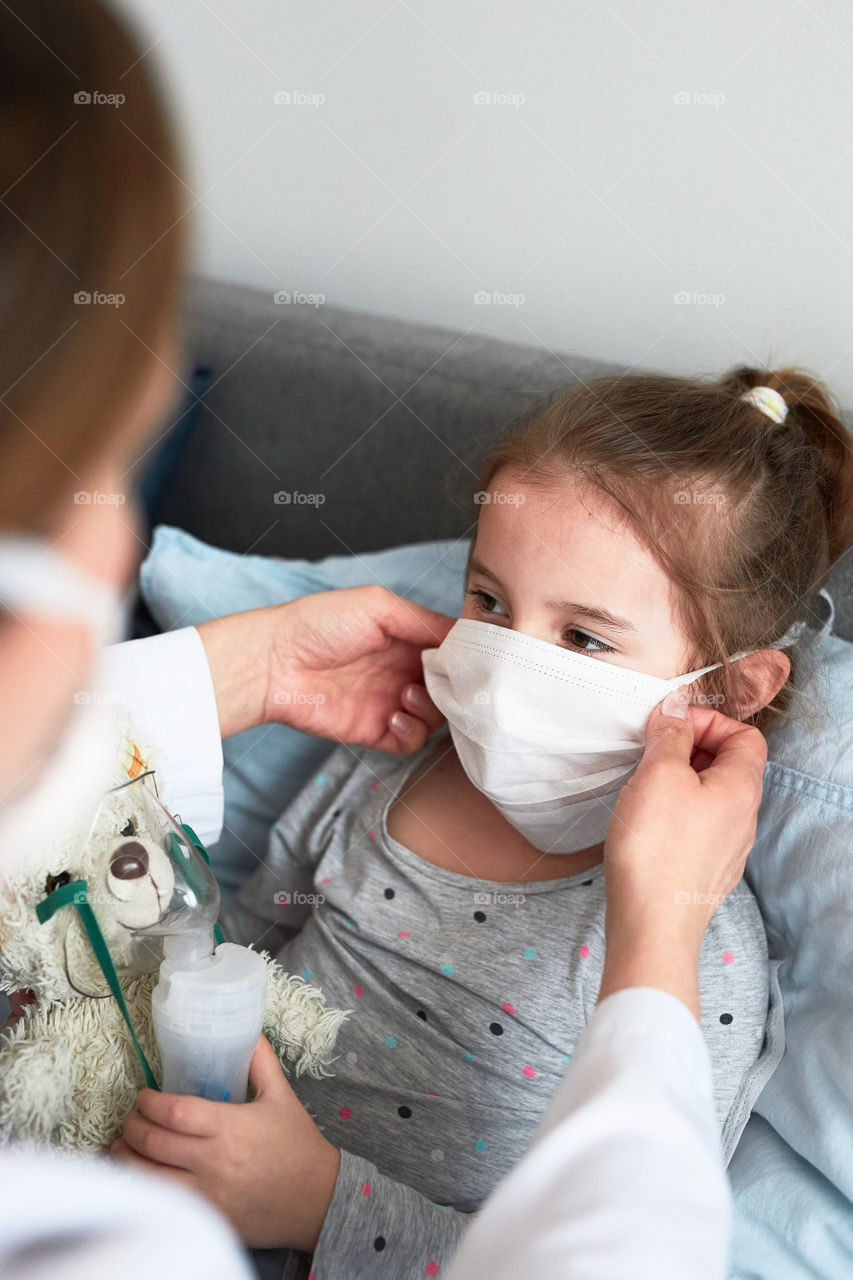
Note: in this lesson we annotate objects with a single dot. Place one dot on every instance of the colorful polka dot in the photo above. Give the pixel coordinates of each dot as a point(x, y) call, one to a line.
point(447, 969)
point(728, 958)
point(566, 1058)
point(584, 952)
point(365, 1188)
point(479, 916)
point(405, 1113)
point(467, 1057)
point(530, 953)
point(350, 924)
point(528, 1073)
point(306, 973)
point(320, 778)
point(389, 894)
point(345, 1113)
point(431, 1268)
point(379, 1244)
point(352, 1058)
point(404, 934)
point(726, 1019)
point(325, 880)
point(496, 1028)
point(374, 786)
point(437, 1155)
point(480, 1144)
point(391, 1042)
point(357, 990)
point(508, 1008)
point(372, 835)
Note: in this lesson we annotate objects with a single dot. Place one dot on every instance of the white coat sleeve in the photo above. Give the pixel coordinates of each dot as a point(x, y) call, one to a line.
point(166, 685)
point(624, 1175)
point(83, 1218)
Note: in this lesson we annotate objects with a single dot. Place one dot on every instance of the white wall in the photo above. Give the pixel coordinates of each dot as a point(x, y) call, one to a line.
point(594, 194)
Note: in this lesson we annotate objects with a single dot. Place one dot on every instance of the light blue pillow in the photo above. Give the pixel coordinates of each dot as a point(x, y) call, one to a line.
point(801, 870)
point(184, 582)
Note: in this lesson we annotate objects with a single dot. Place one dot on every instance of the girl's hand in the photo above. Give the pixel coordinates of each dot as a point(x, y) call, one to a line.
point(340, 664)
point(264, 1163)
point(677, 845)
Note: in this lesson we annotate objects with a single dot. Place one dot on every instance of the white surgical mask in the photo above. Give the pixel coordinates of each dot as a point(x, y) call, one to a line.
point(65, 786)
point(549, 735)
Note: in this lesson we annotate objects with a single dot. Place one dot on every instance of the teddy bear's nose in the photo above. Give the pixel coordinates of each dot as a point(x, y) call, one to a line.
point(130, 861)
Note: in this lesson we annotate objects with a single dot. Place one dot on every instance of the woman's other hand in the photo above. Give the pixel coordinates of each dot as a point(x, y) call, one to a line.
point(344, 665)
point(677, 845)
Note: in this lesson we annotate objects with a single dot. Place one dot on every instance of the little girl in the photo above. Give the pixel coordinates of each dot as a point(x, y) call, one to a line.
point(658, 525)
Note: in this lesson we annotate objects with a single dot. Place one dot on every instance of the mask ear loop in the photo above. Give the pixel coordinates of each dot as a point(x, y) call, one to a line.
point(75, 894)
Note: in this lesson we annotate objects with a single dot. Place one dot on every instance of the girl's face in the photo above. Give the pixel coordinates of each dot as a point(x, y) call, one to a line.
point(551, 561)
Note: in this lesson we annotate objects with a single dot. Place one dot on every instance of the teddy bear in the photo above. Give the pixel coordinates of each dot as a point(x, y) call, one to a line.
point(69, 1068)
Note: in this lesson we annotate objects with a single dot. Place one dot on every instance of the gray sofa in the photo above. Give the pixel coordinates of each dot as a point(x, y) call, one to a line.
point(384, 418)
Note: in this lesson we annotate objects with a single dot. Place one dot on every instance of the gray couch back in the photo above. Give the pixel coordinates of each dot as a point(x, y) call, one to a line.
point(383, 418)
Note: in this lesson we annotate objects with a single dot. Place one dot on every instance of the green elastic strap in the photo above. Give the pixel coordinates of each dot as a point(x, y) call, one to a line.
point(75, 894)
point(218, 935)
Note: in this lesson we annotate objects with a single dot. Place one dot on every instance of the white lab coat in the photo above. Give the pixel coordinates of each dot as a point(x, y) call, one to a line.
point(622, 1179)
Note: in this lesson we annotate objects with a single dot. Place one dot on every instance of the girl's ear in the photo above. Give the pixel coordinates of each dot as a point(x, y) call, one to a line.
point(762, 674)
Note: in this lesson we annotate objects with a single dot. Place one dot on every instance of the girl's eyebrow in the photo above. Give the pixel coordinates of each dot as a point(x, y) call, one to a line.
point(588, 612)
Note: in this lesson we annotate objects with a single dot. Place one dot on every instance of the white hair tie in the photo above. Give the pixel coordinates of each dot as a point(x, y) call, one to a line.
point(768, 401)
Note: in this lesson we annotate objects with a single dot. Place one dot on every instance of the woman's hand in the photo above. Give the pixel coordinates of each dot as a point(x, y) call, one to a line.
point(677, 845)
point(264, 1163)
point(340, 664)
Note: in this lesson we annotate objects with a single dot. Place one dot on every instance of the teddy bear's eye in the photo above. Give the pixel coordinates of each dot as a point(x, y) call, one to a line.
point(56, 882)
point(130, 829)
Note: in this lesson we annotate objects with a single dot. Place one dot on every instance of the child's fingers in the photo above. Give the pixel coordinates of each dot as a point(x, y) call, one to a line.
point(160, 1145)
point(126, 1154)
point(195, 1117)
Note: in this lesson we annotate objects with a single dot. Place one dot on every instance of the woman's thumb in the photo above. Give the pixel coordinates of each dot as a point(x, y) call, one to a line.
point(669, 732)
point(264, 1069)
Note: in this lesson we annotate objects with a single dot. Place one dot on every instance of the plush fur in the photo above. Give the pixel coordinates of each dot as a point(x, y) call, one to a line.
point(68, 1069)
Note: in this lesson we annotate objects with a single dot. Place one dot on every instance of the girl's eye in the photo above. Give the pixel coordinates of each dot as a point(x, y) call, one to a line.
point(595, 646)
point(485, 602)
